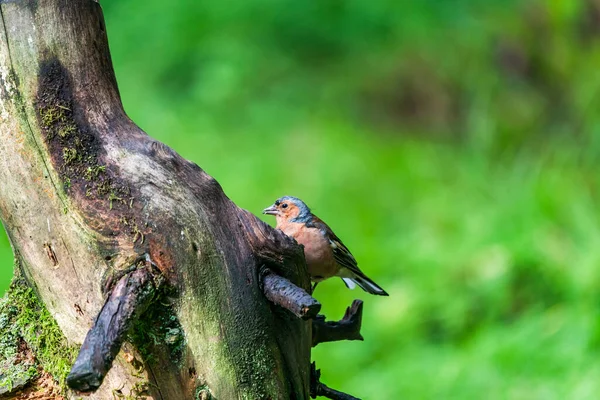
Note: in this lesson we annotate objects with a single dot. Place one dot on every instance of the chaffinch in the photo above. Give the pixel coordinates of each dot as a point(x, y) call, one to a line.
point(325, 254)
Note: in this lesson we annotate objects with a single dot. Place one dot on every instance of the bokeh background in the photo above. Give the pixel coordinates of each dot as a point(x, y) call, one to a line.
point(453, 145)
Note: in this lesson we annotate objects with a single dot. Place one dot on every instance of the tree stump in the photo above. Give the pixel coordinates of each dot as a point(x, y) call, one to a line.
point(124, 241)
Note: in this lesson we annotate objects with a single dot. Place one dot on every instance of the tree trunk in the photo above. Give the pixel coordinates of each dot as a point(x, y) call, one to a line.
point(89, 201)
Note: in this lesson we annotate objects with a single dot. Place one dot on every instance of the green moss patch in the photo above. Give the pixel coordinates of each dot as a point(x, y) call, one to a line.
point(30, 339)
point(158, 326)
point(203, 393)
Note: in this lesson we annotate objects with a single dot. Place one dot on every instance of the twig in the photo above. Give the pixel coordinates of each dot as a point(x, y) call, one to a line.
point(127, 301)
point(348, 328)
point(320, 389)
point(289, 296)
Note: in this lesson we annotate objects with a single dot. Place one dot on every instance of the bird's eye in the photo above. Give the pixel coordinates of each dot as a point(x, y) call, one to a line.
point(284, 205)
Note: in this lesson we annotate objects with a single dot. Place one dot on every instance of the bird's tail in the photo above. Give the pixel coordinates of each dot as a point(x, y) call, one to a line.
point(365, 284)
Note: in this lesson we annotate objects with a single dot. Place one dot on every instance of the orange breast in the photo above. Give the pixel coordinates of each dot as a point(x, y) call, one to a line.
point(317, 251)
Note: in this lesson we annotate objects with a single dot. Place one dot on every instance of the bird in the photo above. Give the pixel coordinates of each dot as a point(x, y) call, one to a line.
point(326, 256)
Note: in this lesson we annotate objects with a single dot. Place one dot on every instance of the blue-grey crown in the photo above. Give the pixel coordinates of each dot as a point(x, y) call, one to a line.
point(304, 215)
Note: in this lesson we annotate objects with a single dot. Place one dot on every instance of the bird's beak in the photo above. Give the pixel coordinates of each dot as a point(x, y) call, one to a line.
point(271, 210)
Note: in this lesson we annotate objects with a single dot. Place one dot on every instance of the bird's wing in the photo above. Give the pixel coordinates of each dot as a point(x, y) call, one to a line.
point(341, 253)
point(342, 256)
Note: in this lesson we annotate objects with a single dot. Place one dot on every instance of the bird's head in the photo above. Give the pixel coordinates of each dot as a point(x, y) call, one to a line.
point(288, 208)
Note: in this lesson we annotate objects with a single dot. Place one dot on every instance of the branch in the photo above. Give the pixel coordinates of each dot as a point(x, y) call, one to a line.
point(348, 328)
point(289, 296)
point(320, 389)
point(127, 301)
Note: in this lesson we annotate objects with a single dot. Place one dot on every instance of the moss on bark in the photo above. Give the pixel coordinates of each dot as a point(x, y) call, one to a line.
point(30, 339)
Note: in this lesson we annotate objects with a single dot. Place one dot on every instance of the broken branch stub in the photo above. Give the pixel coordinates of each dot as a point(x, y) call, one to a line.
point(348, 328)
point(320, 389)
point(289, 296)
point(130, 297)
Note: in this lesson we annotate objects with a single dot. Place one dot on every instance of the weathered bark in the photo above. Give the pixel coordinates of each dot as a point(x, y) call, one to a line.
point(84, 193)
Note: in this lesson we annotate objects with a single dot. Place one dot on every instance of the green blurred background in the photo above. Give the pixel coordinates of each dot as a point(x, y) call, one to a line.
point(453, 146)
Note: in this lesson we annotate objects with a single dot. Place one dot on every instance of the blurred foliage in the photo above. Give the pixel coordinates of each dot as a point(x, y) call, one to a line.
point(452, 145)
